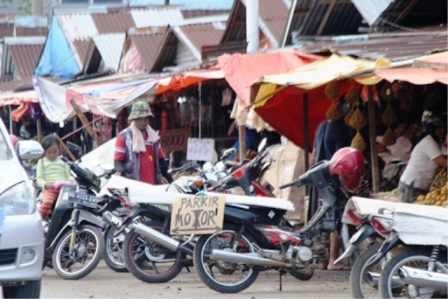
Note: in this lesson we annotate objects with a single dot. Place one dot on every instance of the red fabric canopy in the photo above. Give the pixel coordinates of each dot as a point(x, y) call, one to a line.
point(284, 111)
point(417, 76)
point(241, 70)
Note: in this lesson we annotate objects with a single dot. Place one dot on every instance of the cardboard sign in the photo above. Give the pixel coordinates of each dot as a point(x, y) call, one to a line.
point(200, 149)
point(174, 140)
point(197, 214)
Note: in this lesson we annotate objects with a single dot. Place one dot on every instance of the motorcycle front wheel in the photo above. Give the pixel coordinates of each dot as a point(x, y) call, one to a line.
point(393, 286)
point(87, 253)
point(113, 253)
point(363, 279)
point(147, 260)
point(221, 276)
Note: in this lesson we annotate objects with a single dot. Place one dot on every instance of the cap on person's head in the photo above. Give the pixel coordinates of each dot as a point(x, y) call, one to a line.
point(140, 109)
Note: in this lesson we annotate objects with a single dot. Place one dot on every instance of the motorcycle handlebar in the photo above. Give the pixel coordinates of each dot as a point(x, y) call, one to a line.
point(182, 168)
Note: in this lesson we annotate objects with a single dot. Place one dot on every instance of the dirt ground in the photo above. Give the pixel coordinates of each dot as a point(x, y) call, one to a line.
point(104, 283)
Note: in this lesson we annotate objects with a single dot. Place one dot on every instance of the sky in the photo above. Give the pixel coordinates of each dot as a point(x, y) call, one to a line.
point(189, 4)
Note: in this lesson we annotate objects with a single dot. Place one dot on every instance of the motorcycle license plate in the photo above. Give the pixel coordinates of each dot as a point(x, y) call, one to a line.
point(82, 199)
point(356, 236)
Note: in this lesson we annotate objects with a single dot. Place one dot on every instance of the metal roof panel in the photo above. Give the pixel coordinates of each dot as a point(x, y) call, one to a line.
point(110, 47)
point(25, 57)
point(157, 16)
point(77, 26)
point(148, 46)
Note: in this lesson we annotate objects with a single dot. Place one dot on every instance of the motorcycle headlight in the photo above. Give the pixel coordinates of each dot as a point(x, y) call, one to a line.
point(18, 200)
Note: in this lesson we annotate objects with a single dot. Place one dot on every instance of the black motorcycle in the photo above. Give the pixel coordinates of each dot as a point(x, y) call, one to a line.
point(74, 243)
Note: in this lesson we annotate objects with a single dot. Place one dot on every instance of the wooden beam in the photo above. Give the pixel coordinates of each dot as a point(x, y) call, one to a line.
point(85, 121)
point(406, 11)
point(65, 148)
point(326, 17)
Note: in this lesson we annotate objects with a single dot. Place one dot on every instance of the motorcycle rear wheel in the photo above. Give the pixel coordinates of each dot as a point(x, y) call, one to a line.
point(89, 247)
point(149, 261)
point(113, 251)
point(415, 258)
point(360, 286)
point(228, 277)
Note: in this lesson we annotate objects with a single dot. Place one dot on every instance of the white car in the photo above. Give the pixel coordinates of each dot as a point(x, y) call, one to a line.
point(21, 232)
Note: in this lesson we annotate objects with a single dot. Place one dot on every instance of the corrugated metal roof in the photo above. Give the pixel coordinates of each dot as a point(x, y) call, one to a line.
point(81, 47)
point(25, 53)
point(22, 31)
point(77, 26)
point(196, 36)
point(113, 22)
point(167, 53)
point(110, 47)
point(371, 10)
point(148, 46)
point(6, 29)
point(415, 13)
point(273, 15)
point(394, 46)
point(157, 16)
point(322, 17)
point(194, 13)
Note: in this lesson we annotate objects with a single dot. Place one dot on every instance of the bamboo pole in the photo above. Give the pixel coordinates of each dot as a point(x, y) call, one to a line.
point(373, 148)
point(39, 129)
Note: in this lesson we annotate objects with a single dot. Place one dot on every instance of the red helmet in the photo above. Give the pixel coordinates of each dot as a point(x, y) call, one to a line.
point(348, 164)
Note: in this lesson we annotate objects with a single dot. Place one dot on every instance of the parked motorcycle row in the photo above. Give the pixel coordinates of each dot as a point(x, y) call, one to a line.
point(396, 250)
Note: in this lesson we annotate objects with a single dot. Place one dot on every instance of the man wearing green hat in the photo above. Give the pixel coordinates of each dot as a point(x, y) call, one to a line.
point(138, 154)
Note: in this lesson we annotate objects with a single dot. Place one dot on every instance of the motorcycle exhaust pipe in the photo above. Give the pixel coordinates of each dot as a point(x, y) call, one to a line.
point(373, 279)
point(247, 258)
point(159, 238)
point(423, 278)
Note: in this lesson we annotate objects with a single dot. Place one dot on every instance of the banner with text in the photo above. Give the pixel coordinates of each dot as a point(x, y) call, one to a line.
point(174, 140)
point(197, 214)
point(200, 149)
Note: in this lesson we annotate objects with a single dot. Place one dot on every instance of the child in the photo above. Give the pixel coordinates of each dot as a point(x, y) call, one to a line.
point(50, 169)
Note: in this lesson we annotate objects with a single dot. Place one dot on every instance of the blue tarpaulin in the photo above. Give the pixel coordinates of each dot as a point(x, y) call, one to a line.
point(57, 58)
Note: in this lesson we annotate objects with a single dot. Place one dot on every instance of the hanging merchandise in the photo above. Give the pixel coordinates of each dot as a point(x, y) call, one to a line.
point(357, 121)
point(388, 116)
point(399, 89)
point(386, 92)
point(406, 102)
point(358, 142)
point(352, 95)
point(332, 90)
point(333, 112)
point(35, 111)
point(389, 138)
point(349, 115)
point(226, 97)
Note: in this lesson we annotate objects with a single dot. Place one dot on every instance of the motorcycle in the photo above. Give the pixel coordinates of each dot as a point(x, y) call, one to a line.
point(252, 239)
point(74, 243)
point(371, 232)
point(419, 269)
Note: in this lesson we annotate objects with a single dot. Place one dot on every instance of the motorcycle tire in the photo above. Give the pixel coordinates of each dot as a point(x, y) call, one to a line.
point(113, 249)
point(89, 245)
point(223, 280)
point(149, 261)
point(302, 275)
point(416, 258)
point(361, 287)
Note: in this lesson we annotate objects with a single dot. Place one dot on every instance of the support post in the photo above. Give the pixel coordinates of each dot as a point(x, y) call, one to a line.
point(39, 129)
point(373, 148)
point(306, 139)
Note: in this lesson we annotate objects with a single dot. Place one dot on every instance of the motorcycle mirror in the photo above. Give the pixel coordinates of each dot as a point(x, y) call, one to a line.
point(228, 152)
point(29, 149)
point(262, 144)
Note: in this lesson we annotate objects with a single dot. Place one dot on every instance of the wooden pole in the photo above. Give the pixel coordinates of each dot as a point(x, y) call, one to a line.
point(39, 129)
point(242, 138)
point(65, 148)
point(373, 148)
point(306, 139)
point(85, 121)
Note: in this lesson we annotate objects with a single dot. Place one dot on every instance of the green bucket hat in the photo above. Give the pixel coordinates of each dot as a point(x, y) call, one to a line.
point(140, 109)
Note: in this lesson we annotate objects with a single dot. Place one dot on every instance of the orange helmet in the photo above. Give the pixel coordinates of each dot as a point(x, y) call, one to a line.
point(348, 164)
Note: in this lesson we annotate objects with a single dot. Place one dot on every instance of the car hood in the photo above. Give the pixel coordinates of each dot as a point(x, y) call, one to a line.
point(12, 173)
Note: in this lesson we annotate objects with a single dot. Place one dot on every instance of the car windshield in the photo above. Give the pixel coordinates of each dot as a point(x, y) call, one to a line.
point(5, 150)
